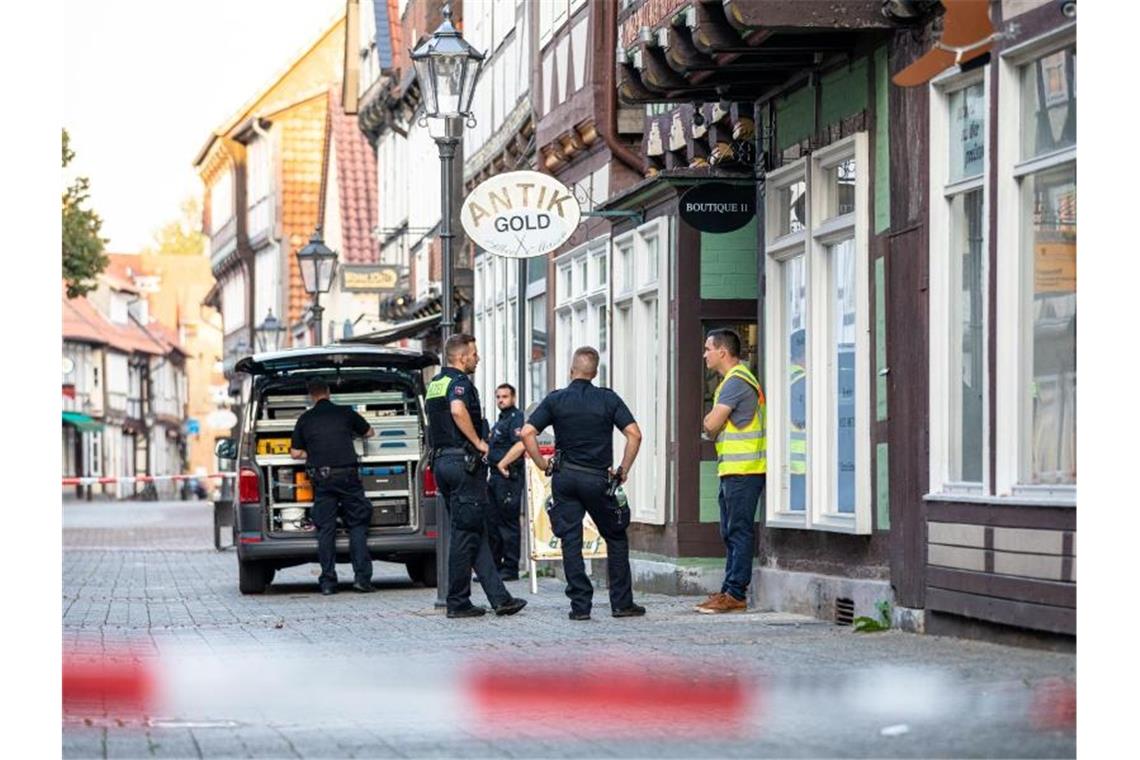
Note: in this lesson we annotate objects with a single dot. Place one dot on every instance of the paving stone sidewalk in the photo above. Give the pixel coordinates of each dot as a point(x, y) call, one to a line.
point(259, 676)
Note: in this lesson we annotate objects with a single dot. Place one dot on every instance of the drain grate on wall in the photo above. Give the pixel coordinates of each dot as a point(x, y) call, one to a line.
point(844, 611)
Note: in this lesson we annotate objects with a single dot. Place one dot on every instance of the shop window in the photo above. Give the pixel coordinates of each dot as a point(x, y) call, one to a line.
point(1036, 278)
point(581, 313)
point(958, 293)
point(640, 357)
point(538, 345)
point(817, 347)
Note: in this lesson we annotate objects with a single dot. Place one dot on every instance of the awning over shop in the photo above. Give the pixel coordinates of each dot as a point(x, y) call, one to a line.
point(81, 422)
point(410, 329)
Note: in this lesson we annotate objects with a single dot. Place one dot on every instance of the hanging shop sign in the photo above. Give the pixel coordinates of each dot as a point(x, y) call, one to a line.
point(369, 278)
point(221, 419)
point(520, 214)
point(718, 206)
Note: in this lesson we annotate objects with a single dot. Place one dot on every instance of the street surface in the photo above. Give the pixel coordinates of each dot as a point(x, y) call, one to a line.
point(164, 658)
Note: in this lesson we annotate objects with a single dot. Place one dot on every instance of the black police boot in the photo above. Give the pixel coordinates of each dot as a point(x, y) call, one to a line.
point(633, 610)
point(364, 587)
point(328, 589)
point(510, 607)
point(467, 612)
point(579, 615)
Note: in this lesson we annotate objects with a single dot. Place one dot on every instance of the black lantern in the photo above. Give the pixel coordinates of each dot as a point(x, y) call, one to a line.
point(318, 264)
point(447, 69)
point(269, 333)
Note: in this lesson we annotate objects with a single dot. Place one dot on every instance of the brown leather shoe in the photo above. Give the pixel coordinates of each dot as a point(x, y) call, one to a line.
point(725, 603)
point(711, 598)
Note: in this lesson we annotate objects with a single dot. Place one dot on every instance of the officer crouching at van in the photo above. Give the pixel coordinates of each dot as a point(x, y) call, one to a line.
point(584, 417)
point(455, 418)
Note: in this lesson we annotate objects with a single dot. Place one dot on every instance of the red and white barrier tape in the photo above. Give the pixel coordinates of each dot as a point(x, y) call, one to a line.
point(110, 480)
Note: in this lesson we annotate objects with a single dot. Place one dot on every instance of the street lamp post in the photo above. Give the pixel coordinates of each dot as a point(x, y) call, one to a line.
point(269, 333)
point(447, 69)
point(318, 266)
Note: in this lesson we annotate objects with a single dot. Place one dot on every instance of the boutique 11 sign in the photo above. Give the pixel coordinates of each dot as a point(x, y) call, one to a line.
point(520, 214)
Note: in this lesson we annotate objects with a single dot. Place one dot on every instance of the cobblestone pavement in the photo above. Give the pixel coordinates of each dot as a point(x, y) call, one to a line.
point(295, 674)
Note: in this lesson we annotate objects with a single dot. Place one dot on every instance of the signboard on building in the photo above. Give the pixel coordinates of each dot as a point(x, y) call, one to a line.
point(718, 206)
point(544, 545)
point(520, 214)
point(369, 278)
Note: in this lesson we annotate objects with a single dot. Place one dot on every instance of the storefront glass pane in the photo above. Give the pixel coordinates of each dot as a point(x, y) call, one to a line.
point(1049, 218)
point(1049, 103)
point(795, 381)
point(843, 310)
point(535, 269)
point(840, 189)
point(967, 132)
point(537, 349)
point(790, 216)
point(965, 443)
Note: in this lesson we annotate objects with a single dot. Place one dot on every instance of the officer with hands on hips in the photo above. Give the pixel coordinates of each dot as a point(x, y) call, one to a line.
point(455, 418)
point(584, 417)
point(505, 483)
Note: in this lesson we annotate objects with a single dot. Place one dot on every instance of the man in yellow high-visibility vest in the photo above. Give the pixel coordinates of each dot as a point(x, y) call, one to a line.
point(736, 423)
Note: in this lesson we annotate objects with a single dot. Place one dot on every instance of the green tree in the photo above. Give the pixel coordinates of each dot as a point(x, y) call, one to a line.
point(182, 236)
point(83, 257)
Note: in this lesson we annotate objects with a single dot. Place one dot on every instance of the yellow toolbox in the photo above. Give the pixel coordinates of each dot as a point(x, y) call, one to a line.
point(273, 446)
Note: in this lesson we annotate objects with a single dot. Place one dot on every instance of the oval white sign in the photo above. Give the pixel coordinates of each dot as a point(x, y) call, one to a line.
point(221, 419)
point(520, 214)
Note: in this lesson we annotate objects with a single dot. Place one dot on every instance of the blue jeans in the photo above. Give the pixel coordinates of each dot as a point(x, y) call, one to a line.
point(738, 497)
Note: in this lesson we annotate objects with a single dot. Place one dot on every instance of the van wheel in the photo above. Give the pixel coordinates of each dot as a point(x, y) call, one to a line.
point(422, 570)
point(253, 576)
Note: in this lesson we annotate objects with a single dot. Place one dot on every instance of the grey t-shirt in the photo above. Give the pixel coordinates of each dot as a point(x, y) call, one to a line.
point(741, 398)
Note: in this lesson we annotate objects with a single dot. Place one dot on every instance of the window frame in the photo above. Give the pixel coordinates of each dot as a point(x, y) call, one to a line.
point(583, 296)
point(813, 243)
point(638, 372)
point(943, 279)
point(1010, 356)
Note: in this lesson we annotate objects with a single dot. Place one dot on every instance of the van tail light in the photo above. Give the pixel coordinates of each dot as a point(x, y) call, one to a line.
point(249, 487)
point(429, 483)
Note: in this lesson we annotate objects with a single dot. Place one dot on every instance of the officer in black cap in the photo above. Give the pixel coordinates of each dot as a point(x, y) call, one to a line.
point(455, 419)
point(505, 483)
point(584, 417)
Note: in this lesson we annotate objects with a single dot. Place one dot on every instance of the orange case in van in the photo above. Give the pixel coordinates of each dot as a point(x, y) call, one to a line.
point(304, 490)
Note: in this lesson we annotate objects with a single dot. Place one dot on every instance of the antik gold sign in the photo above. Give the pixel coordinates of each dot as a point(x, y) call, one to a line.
point(520, 214)
point(369, 278)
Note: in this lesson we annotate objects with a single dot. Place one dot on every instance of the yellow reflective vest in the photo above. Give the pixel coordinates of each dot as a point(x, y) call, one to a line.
point(742, 450)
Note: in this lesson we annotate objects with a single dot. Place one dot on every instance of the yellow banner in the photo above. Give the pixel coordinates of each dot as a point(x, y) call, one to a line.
point(544, 544)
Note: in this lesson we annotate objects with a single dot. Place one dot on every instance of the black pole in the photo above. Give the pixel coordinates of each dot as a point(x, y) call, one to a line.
point(318, 312)
point(448, 144)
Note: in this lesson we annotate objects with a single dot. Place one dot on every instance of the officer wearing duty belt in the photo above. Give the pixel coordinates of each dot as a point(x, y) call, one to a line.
point(322, 437)
point(455, 420)
point(584, 417)
point(505, 484)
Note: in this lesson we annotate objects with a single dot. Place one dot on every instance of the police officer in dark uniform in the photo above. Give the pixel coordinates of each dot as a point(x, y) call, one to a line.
point(505, 483)
point(584, 417)
point(455, 419)
point(322, 437)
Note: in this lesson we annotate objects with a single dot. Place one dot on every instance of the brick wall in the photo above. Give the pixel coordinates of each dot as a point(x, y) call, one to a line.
point(728, 264)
